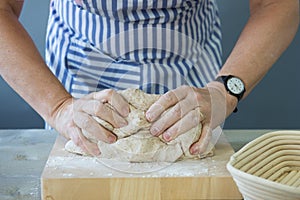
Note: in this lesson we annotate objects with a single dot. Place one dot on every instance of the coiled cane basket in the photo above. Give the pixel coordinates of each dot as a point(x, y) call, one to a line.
point(268, 167)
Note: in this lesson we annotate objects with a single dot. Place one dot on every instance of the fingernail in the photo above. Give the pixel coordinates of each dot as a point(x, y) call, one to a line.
point(149, 116)
point(125, 111)
point(96, 152)
point(111, 139)
point(154, 130)
point(195, 150)
point(167, 136)
point(123, 123)
point(153, 112)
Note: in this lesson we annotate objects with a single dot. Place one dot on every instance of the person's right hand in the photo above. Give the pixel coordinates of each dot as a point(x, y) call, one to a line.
point(74, 118)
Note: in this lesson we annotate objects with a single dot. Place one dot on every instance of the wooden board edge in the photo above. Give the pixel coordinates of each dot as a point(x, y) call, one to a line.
point(139, 188)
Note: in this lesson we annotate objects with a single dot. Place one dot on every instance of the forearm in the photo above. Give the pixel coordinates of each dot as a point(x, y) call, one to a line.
point(270, 29)
point(24, 70)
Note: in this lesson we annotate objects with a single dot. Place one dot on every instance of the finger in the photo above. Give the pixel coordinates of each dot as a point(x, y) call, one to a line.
point(189, 121)
point(165, 101)
point(96, 108)
point(201, 145)
point(171, 116)
point(87, 146)
point(86, 122)
point(114, 99)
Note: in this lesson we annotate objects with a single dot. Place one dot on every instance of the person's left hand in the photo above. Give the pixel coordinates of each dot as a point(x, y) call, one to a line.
point(185, 108)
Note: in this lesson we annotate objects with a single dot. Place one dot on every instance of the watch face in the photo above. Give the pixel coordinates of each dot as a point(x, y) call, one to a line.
point(235, 85)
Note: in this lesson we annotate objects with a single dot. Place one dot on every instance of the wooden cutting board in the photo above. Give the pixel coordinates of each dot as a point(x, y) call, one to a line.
point(67, 176)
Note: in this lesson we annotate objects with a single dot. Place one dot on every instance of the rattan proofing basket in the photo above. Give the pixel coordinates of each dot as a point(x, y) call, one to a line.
point(268, 167)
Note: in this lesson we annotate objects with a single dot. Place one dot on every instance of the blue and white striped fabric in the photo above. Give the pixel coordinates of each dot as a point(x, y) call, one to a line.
point(154, 45)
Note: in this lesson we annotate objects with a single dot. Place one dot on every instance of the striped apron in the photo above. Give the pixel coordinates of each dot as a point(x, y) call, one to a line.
point(153, 45)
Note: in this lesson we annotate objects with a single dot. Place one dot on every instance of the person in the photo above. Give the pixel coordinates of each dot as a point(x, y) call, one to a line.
point(170, 47)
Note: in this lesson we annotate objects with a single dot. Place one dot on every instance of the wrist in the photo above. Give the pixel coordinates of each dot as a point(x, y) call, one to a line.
point(61, 108)
point(231, 101)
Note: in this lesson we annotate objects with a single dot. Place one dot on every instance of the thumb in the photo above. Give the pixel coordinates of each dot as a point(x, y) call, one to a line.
point(202, 144)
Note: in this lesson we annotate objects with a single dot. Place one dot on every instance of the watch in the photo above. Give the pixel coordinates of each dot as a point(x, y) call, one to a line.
point(234, 86)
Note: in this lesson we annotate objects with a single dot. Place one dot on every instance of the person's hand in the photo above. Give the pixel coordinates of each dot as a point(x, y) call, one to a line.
point(185, 108)
point(74, 118)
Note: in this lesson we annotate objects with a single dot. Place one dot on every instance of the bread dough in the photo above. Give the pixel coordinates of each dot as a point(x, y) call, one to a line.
point(135, 143)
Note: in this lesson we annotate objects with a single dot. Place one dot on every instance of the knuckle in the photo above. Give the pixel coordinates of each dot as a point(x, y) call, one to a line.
point(198, 96)
point(176, 111)
point(92, 95)
point(108, 92)
point(169, 96)
point(185, 87)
